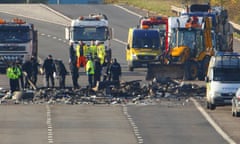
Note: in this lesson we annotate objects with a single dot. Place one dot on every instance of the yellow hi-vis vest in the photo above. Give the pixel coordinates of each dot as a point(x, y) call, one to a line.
point(78, 52)
point(88, 51)
point(101, 53)
point(13, 72)
point(89, 67)
point(93, 50)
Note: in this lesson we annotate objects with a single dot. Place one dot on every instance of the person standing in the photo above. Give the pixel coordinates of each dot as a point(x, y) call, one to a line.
point(81, 54)
point(115, 71)
point(73, 66)
point(14, 73)
point(93, 49)
point(61, 72)
point(27, 70)
point(35, 66)
point(21, 80)
point(49, 69)
point(97, 71)
point(101, 51)
point(90, 71)
point(106, 70)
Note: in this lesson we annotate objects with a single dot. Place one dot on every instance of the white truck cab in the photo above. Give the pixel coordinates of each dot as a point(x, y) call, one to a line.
point(91, 28)
point(223, 79)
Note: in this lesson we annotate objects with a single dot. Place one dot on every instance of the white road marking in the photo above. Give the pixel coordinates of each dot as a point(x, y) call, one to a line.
point(49, 125)
point(131, 12)
point(204, 113)
point(212, 122)
point(133, 125)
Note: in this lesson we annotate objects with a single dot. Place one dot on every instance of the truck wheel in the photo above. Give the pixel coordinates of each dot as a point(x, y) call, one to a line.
point(237, 114)
point(191, 70)
point(3, 71)
point(233, 111)
point(212, 106)
point(130, 68)
point(207, 105)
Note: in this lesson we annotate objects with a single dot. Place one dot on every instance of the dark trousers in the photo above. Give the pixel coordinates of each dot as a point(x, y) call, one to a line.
point(116, 79)
point(47, 77)
point(14, 85)
point(21, 82)
point(97, 78)
point(75, 75)
point(90, 80)
point(62, 81)
point(34, 78)
point(27, 84)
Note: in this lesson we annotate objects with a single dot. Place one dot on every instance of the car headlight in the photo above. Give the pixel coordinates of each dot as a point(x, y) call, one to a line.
point(134, 57)
point(157, 57)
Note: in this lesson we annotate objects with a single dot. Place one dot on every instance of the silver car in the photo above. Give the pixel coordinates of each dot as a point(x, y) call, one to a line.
point(236, 104)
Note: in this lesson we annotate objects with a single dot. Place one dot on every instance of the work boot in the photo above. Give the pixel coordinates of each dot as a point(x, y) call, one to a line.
point(96, 87)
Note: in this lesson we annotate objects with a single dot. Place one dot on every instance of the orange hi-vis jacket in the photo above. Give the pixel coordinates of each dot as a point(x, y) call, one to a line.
point(81, 53)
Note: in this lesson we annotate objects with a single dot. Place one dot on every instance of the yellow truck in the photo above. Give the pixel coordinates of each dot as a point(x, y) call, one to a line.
point(142, 48)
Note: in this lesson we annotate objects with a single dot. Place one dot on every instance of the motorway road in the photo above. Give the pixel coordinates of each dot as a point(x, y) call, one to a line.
point(165, 122)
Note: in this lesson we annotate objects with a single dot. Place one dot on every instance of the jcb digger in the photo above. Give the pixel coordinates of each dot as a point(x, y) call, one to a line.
point(190, 50)
point(193, 38)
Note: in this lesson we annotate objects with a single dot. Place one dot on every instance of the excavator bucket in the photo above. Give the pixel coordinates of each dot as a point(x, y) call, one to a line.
point(172, 71)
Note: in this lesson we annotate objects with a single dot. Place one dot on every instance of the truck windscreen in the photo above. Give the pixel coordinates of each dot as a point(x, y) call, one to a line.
point(14, 34)
point(146, 39)
point(90, 33)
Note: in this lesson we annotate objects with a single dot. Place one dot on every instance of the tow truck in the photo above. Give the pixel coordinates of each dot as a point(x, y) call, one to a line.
point(159, 23)
point(94, 27)
point(18, 41)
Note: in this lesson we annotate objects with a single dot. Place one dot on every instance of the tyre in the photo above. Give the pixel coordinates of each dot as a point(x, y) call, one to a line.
point(237, 114)
point(233, 111)
point(130, 68)
point(3, 71)
point(191, 70)
point(207, 105)
point(211, 106)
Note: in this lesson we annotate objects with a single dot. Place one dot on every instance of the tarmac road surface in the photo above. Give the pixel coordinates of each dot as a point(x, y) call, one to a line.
point(131, 124)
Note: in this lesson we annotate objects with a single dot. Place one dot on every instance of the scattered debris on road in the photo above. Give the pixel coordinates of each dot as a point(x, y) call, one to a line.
point(131, 92)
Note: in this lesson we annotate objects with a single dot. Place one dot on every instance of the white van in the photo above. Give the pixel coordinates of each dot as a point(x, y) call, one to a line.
point(223, 79)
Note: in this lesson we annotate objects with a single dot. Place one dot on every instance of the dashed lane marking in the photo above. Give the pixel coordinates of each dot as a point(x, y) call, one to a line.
point(49, 125)
point(133, 125)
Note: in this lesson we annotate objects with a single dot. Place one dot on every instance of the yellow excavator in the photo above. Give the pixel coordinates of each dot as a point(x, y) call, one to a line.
point(189, 52)
point(192, 41)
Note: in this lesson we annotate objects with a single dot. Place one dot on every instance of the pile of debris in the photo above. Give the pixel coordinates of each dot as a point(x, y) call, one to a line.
point(107, 93)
